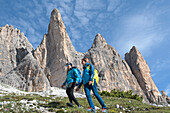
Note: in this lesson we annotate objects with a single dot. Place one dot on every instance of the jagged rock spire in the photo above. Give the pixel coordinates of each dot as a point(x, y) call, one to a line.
point(18, 68)
point(56, 49)
point(11, 42)
point(165, 96)
point(57, 32)
point(141, 71)
point(99, 41)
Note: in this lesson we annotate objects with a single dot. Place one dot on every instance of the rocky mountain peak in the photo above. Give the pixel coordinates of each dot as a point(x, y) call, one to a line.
point(134, 50)
point(56, 21)
point(57, 34)
point(18, 67)
point(46, 66)
point(142, 73)
point(56, 49)
point(165, 96)
point(99, 41)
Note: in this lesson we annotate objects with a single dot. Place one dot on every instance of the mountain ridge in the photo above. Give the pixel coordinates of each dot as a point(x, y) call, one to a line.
point(56, 49)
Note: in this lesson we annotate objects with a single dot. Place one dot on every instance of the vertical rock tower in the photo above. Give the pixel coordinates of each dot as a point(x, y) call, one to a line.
point(56, 50)
point(35, 70)
point(141, 71)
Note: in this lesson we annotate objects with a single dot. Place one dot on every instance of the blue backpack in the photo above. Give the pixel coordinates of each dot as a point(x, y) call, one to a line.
point(79, 75)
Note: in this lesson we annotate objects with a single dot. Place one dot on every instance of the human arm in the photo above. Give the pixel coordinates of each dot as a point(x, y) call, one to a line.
point(64, 83)
point(79, 86)
point(91, 73)
point(75, 72)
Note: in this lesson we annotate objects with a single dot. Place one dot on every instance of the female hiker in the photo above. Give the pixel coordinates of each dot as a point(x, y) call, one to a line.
point(70, 83)
point(88, 74)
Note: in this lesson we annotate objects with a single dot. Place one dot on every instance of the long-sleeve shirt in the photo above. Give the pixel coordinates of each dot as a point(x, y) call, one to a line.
point(88, 74)
point(72, 76)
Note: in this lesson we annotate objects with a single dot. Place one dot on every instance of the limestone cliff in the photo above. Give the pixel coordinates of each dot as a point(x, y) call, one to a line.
point(35, 70)
point(114, 72)
point(17, 65)
point(165, 96)
point(55, 50)
point(13, 47)
point(27, 76)
point(141, 71)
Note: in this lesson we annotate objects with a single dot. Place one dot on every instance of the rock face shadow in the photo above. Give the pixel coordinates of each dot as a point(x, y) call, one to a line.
point(21, 53)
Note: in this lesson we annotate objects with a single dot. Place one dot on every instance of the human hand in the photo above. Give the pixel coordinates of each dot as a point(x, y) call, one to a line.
point(77, 89)
point(75, 83)
point(90, 82)
point(62, 86)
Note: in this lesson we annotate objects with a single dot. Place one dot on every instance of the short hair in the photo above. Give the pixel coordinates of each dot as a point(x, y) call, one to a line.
point(86, 59)
point(69, 64)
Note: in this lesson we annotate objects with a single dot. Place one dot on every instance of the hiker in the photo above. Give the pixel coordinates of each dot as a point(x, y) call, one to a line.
point(88, 74)
point(70, 83)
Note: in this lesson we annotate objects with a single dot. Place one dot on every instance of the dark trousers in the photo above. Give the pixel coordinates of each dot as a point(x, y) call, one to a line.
point(69, 91)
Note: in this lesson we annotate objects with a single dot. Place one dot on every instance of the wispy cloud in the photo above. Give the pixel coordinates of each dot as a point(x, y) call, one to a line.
point(141, 29)
point(85, 18)
point(28, 17)
point(167, 90)
point(81, 17)
point(115, 5)
point(159, 65)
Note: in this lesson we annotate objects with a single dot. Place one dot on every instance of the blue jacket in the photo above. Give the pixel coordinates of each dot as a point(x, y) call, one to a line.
point(72, 76)
point(88, 74)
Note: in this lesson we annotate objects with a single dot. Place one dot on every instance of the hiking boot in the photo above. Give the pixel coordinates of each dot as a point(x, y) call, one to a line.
point(80, 106)
point(91, 110)
point(70, 104)
point(104, 110)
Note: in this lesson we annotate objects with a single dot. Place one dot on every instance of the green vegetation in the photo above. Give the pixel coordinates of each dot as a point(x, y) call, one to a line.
point(37, 104)
point(127, 94)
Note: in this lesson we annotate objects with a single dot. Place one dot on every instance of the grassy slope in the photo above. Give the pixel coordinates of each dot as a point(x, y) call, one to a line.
point(13, 104)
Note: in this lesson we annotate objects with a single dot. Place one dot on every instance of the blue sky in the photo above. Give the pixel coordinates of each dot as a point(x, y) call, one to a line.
point(123, 23)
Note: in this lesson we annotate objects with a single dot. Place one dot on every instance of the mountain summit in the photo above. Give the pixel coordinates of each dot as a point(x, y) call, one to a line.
point(37, 70)
point(99, 41)
point(56, 50)
point(141, 71)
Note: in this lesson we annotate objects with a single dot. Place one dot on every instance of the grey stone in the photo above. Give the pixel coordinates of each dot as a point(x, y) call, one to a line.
point(18, 67)
point(27, 76)
point(141, 71)
point(56, 49)
point(14, 46)
point(35, 70)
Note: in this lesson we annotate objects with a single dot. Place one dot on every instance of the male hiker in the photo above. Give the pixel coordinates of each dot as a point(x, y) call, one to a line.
point(88, 74)
point(70, 82)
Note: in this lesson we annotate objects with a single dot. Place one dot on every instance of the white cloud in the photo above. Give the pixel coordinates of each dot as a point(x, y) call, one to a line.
point(141, 30)
point(30, 13)
point(167, 90)
point(75, 34)
point(90, 5)
point(115, 5)
point(160, 64)
point(94, 4)
point(85, 10)
point(153, 75)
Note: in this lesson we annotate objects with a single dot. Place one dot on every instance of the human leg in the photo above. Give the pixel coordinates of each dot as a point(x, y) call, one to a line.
point(96, 94)
point(88, 96)
point(68, 91)
point(72, 94)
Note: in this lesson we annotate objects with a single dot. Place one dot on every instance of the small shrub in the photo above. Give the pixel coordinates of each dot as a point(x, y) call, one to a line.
point(118, 93)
